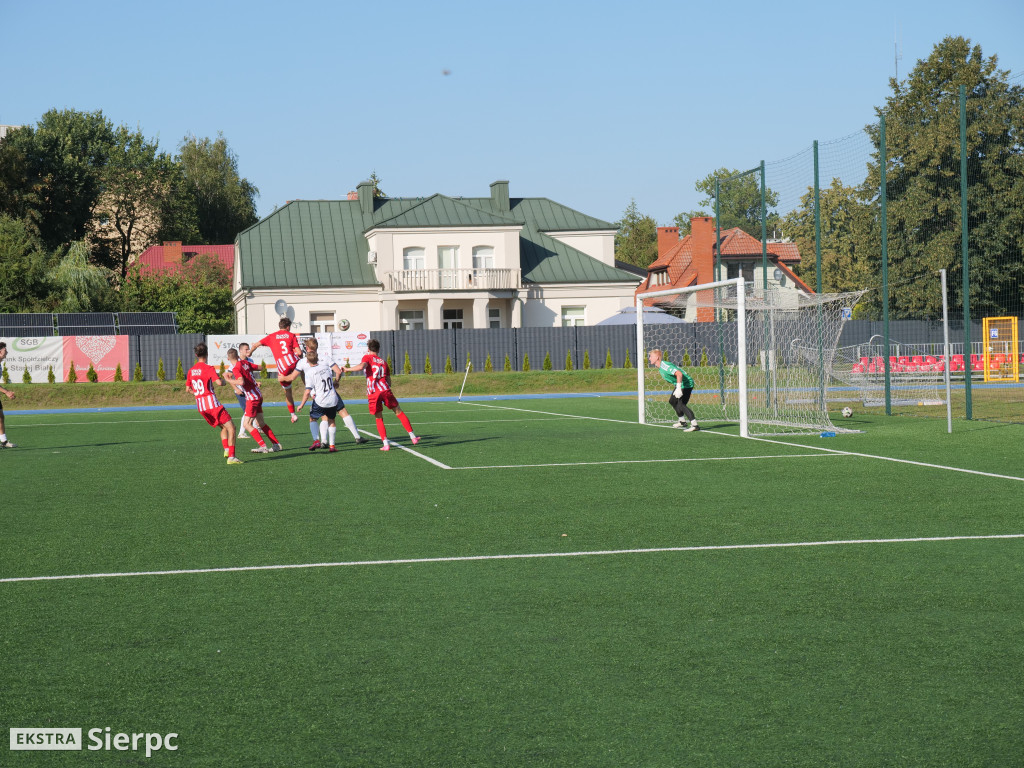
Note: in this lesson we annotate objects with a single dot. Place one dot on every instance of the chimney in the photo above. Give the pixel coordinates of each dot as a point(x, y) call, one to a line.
point(172, 252)
point(702, 248)
point(364, 192)
point(499, 197)
point(353, 195)
point(667, 237)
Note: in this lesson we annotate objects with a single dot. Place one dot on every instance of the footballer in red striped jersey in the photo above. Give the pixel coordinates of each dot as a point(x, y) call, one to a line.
point(242, 378)
point(201, 380)
point(284, 345)
point(378, 391)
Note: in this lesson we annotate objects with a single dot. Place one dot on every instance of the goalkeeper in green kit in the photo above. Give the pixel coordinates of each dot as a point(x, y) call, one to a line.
point(680, 396)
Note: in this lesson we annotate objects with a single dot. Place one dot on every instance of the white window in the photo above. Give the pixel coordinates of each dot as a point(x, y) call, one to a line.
point(410, 320)
point(321, 322)
point(572, 316)
point(451, 318)
point(413, 258)
point(483, 257)
point(494, 317)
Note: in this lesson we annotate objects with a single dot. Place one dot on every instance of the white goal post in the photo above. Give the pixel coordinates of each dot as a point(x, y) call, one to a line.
point(642, 348)
point(759, 358)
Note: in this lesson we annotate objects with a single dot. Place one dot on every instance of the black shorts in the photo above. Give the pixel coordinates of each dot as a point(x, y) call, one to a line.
point(672, 399)
point(315, 411)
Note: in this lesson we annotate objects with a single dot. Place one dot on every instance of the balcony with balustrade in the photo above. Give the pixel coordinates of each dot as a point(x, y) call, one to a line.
point(434, 280)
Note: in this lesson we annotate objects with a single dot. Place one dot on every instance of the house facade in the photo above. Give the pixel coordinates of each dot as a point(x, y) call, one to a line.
point(427, 263)
point(688, 261)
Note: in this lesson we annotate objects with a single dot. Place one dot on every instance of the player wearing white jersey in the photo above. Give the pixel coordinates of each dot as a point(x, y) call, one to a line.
point(319, 375)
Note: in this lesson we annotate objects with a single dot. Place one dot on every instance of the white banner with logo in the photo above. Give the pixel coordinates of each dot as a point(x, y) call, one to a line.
point(219, 346)
point(39, 354)
point(344, 347)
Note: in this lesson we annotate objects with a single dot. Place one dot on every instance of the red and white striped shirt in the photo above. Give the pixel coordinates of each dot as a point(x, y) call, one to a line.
point(377, 373)
point(200, 381)
point(243, 371)
point(282, 344)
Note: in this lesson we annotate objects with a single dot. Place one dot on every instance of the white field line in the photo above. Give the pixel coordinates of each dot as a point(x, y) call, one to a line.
point(800, 445)
point(653, 461)
point(534, 556)
point(417, 454)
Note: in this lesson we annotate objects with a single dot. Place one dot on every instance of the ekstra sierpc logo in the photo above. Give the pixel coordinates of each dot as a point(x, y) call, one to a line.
point(96, 739)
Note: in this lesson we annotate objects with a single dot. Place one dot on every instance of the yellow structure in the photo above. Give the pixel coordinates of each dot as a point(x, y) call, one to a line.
point(1002, 353)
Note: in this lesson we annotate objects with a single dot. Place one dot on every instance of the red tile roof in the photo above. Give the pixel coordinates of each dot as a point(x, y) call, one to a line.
point(158, 259)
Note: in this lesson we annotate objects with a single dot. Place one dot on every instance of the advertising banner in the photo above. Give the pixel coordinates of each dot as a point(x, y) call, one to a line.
point(104, 353)
point(344, 347)
point(219, 346)
point(36, 353)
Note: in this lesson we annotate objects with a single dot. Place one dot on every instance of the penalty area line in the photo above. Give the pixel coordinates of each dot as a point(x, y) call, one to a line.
point(533, 556)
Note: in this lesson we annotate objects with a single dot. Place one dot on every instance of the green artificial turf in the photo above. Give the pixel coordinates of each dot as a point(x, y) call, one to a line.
point(400, 649)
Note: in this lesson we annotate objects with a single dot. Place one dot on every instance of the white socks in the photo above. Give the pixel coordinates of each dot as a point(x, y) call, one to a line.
point(351, 424)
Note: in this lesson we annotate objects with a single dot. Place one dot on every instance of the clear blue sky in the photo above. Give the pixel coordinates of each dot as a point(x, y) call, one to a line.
point(591, 104)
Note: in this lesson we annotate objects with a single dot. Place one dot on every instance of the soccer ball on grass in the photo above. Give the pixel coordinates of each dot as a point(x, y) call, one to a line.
point(847, 412)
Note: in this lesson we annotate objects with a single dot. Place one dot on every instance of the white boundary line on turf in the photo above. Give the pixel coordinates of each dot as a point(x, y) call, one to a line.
point(801, 445)
point(417, 454)
point(652, 461)
point(535, 556)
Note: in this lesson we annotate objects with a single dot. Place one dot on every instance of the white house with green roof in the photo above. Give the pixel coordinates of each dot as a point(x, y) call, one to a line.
point(435, 262)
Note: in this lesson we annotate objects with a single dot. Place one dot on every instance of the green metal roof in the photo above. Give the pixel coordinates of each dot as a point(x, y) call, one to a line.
point(441, 211)
point(322, 243)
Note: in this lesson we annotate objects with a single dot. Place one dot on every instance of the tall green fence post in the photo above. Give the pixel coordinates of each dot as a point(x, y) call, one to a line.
point(764, 231)
point(882, 163)
point(963, 253)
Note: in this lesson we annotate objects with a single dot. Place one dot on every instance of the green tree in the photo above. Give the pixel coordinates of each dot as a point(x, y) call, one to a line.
point(488, 365)
point(586, 360)
point(161, 374)
point(26, 376)
point(849, 238)
point(448, 365)
point(72, 373)
point(547, 362)
point(739, 205)
point(407, 365)
point(225, 203)
point(118, 373)
point(608, 360)
point(179, 372)
point(23, 267)
point(923, 187)
point(427, 368)
point(636, 241)
point(79, 286)
point(200, 292)
point(508, 363)
point(137, 375)
point(50, 375)
point(568, 360)
point(91, 374)
point(526, 362)
point(127, 215)
point(51, 174)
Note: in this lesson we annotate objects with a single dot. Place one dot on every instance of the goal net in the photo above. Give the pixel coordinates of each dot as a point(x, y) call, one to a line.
point(760, 358)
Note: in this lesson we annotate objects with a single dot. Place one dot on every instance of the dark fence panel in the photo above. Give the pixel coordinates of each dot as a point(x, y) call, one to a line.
point(439, 344)
point(539, 342)
point(148, 350)
point(599, 340)
point(478, 343)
